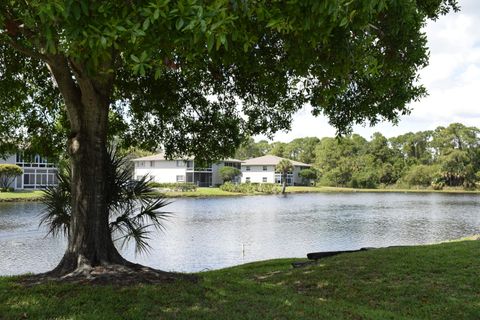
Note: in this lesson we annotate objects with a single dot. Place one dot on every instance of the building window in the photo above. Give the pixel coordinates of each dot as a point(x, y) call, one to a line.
point(247, 168)
point(247, 179)
point(264, 179)
point(142, 164)
point(265, 168)
point(180, 163)
point(180, 178)
point(232, 164)
point(152, 164)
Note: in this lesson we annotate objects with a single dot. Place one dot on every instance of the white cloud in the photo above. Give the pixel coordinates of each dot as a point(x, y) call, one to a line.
point(452, 80)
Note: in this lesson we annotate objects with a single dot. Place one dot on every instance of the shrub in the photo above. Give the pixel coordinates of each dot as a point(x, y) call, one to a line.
point(269, 188)
point(364, 179)
point(420, 175)
point(308, 175)
point(229, 173)
point(8, 172)
point(179, 186)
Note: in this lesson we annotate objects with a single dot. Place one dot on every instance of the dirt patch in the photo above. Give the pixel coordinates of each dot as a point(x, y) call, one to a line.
point(115, 275)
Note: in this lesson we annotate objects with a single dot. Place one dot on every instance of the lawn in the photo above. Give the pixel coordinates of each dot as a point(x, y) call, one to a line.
point(202, 192)
point(216, 192)
point(425, 282)
point(20, 196)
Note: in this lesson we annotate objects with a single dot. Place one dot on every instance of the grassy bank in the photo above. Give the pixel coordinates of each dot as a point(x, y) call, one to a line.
point(393, 190)
point(426, 282)
point(216, 192)
point(202, 193)
point(20, 196)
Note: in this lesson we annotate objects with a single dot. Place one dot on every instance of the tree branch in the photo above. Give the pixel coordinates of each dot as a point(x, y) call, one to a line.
point(70, 91)
point(28, 51)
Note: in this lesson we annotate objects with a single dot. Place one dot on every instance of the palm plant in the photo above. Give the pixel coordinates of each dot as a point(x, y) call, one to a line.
point(133, 206)
point(284, 167)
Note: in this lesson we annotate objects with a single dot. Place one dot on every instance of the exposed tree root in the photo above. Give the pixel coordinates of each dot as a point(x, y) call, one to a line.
point(114, 274)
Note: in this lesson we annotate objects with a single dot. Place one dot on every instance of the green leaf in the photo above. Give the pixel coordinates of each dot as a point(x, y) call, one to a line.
point(146, 24)
point(179, 23)
point(84, 5)
point(210, 42)
point(158, 73)
point(135, 58)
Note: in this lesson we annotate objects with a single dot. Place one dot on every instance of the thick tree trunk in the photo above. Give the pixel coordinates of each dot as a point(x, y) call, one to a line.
point(89, 242)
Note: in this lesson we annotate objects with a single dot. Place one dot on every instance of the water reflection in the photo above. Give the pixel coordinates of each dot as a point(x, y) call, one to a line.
point(214, 233)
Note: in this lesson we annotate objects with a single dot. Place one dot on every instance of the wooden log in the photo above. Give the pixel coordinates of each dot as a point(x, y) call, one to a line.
point(300, 264)
point(324, 254)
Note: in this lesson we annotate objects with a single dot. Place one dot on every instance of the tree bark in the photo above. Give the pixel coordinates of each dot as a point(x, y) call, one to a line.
point(87, 100)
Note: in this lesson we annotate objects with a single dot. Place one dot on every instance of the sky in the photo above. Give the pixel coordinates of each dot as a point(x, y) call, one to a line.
point(452, 80)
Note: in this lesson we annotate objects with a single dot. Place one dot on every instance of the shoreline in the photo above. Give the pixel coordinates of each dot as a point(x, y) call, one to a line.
point(214, 192)
point(396, 282)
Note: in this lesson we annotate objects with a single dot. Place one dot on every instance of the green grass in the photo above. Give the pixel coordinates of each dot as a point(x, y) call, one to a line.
point(20, 196)
point(389, 190)
point(216, 192)
point(202, 192)
point(426, 282)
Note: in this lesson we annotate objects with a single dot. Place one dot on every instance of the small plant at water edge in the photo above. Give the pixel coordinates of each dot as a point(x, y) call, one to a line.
point(268, 188)
point(179, 187)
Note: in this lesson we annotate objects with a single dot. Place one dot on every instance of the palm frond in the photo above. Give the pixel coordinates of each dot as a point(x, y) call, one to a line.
point(57, 199)
point(135, 209)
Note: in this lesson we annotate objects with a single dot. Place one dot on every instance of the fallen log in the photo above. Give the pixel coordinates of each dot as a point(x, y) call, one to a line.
point(324, 254)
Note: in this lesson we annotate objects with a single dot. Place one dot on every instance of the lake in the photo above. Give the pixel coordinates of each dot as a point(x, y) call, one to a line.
point(212, 233)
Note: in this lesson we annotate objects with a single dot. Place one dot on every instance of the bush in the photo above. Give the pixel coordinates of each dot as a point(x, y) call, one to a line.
point(179, 186)
point(438, 183)
point(229, 173)
point(8, 172)
point(269, 188)
point(420, 175)
point(364, 179)
point(308, 175)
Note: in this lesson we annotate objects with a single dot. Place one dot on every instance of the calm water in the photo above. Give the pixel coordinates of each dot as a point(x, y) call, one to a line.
point(208, 234)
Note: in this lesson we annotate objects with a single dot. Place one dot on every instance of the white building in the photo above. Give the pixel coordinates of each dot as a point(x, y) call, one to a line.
point(38, 173)
point(162, 170)
point(262, 170)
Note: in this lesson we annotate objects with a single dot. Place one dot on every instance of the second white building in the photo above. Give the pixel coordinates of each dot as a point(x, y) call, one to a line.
point(262, 170)
point(162, 170)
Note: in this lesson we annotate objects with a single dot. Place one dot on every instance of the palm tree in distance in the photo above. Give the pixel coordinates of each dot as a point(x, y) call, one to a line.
point(284, 167)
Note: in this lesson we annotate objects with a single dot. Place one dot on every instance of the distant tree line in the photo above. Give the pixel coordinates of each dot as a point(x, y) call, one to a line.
point(444, 157)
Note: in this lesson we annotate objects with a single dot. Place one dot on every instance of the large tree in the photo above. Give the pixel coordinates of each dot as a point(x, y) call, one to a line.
point(195, 77)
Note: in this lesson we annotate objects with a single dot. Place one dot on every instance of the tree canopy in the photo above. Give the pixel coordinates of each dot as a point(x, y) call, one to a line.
point(194, 77)
point(447, 156)
point(197, 77)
